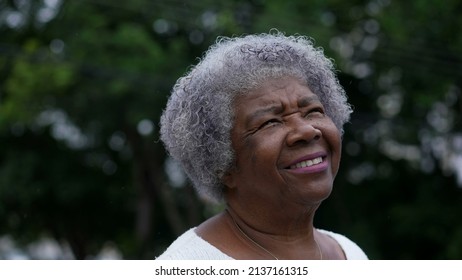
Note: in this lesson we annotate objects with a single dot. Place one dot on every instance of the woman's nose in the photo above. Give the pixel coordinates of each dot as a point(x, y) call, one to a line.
point(302, 131)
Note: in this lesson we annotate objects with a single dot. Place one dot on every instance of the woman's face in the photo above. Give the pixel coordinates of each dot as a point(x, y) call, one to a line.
point(287, 149)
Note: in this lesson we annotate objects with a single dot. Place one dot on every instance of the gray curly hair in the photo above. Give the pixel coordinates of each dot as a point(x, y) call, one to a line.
point(196, 124)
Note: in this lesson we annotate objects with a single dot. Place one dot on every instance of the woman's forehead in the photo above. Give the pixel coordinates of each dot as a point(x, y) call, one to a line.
point(271, 92)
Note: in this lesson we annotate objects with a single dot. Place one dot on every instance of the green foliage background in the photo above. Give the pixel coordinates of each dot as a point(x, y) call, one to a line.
point(83, 83)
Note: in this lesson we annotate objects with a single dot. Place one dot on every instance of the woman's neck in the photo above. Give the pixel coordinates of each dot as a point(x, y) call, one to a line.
point(276, 235)
point(285, 223)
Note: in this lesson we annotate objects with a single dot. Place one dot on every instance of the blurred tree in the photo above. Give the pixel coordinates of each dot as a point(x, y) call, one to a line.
point(83, 83)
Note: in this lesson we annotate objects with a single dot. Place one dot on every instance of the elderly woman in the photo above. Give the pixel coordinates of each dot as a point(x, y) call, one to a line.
point(257, 124)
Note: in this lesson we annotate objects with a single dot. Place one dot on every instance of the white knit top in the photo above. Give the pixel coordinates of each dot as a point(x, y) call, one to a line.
point(190, 246)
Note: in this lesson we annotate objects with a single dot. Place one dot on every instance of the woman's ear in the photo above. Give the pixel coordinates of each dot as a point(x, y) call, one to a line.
point(228, 179)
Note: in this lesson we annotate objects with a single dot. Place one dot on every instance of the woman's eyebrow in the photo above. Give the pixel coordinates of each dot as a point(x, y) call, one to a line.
point(279, 108)
point(305, 101)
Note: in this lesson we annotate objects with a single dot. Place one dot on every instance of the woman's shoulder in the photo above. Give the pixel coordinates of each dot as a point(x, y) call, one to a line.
point(190, 246)
point(351, 249)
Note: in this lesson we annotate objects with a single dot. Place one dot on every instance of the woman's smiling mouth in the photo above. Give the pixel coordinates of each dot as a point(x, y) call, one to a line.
point(307, 163)
point(310, 164)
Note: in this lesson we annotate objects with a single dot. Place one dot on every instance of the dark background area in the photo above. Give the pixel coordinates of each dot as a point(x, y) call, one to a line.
point(83, 83)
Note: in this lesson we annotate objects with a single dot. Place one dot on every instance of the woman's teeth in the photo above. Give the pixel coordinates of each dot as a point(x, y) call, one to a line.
point(307, 163)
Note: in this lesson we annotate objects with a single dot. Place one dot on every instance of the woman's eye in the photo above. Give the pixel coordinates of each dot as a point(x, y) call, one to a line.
point(316, 110)
point(269, 123)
